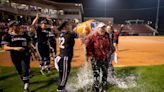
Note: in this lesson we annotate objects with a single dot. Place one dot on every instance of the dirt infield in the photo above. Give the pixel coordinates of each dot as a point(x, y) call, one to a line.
point(133, 51)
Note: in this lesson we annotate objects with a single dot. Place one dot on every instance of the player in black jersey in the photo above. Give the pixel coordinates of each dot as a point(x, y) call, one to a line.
point(42, 45)
point(52, 40)
point(32, 34)
point(18, 43)
point(110, 30)
point(66, 44)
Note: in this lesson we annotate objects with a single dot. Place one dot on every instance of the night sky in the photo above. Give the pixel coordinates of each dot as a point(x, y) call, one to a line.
point(122, 10)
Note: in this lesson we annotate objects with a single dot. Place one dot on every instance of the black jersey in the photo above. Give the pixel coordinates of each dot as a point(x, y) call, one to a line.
point(21, 40)
point(111, 35)
point(42, 35)
point(66, 43)
point(52, 37)
point(33, 36)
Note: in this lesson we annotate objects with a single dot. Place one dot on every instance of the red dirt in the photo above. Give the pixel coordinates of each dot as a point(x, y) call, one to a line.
point(133, 51)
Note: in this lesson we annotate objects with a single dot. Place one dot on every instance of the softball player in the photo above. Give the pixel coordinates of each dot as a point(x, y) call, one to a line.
point(42, 45)
point(66, 44)
point(52, 40)
point(116, 37)
point(18, 43)
point(110, 31)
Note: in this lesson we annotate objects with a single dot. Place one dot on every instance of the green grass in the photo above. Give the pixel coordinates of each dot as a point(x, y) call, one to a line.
point(149, 79)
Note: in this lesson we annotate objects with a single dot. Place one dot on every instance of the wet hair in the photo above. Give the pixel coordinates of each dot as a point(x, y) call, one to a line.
point(63, 25)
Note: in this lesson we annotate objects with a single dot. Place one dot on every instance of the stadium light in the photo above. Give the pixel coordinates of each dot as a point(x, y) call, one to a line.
point(77, 4)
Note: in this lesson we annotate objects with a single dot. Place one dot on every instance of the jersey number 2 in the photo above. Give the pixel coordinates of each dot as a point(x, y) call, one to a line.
point(61, 42)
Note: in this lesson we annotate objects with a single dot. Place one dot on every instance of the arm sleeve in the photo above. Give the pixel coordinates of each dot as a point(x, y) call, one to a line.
point(6, 39)
point(89, 46)
point(74, 34)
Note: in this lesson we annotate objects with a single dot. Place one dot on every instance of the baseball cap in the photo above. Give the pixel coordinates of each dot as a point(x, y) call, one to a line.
point(63, 25)
point(44, 22)
point(101, 24)
point(13, 23)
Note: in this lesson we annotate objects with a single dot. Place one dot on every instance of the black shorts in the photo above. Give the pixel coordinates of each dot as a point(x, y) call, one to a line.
point(43, 51)
point(21, 63)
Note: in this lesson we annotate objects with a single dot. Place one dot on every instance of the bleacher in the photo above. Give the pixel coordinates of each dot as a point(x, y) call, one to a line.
point(136, 29)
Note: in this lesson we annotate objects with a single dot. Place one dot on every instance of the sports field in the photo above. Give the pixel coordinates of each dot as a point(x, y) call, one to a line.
point(140, 69)
point(147, 79)
point(133, 51)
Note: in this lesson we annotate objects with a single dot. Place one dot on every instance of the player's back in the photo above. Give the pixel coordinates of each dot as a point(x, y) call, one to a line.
point(66, 43)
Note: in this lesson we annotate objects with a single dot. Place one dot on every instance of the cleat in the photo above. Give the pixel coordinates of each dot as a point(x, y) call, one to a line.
point(61, 90)
point(26, 87)
point(26, 90)
point(42, 72)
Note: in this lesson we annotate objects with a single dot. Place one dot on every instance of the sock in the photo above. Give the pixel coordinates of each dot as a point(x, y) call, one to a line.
point(26, 85)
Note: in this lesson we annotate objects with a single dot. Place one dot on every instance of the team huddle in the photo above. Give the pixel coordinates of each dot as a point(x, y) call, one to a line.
point(100, 45)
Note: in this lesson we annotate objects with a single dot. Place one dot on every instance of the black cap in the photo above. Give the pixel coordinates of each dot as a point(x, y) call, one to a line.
point(13, 23)
point(63, 25)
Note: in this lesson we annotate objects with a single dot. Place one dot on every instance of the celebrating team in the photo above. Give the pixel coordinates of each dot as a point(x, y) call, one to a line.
point(99, 49)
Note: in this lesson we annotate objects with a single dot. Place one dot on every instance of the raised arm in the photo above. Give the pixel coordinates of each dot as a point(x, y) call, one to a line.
point(122, 26)
point(35, 21)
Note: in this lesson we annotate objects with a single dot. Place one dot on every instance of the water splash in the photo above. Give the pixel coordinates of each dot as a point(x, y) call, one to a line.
point(83, 80)
point(123, 82)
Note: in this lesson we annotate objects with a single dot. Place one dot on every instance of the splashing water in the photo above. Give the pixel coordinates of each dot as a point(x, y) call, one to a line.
point(84, 80)
point(124, 83)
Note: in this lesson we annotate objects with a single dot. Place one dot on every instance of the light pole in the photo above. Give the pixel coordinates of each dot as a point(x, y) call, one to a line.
point(157, 16)
point(82, 12)
point(105, 8)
